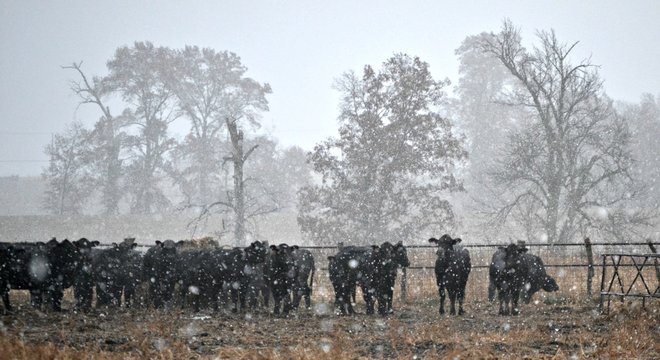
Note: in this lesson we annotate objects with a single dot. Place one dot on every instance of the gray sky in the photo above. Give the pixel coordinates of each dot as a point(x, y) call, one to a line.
point(299, 47)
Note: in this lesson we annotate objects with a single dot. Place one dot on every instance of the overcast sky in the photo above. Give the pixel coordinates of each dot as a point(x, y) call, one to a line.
point(298, 47)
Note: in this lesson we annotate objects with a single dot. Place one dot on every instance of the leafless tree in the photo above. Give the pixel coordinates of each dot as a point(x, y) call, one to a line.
point(567, 171)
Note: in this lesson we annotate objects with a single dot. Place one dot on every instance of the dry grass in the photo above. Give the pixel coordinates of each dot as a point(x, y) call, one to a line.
point(559, 325)
point(556, 326)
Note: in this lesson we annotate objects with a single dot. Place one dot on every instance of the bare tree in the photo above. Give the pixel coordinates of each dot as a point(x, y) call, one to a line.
point(214, 94)
point(69, 183)
point(567, 170)
point(107, 140)
point(644, 119)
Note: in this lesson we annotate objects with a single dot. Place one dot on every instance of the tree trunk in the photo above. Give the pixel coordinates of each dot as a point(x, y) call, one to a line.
point(239, 193)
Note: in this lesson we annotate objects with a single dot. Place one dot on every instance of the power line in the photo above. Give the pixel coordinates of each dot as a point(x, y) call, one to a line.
point(23, 161)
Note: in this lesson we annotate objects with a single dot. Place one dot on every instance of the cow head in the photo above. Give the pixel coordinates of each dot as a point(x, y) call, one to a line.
point(445, 245)
point(549, 284)
point(256, 253)
point(512, 255)
point(401, 255)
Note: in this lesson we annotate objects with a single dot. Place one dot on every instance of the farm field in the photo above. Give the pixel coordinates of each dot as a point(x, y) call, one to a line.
point(550, 327)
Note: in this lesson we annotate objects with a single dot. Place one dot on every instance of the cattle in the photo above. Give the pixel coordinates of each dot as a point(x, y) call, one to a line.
point(160, 271)
point(399, 259)
point(200, 276)
point(452, 269)
point(282, 277)
point(350, 266)
point(239, 263)
point(117, 271)
point(370, 268)
point(303, 262)
point(258, 285)
point(535, 279)
point(508, 273)
point(43, 269)
point(336, 274)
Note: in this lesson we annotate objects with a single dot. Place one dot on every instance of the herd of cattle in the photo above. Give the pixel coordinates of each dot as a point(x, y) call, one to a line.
point(243, 278)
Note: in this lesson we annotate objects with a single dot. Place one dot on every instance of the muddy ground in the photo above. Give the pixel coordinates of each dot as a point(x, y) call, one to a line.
point(415, 330)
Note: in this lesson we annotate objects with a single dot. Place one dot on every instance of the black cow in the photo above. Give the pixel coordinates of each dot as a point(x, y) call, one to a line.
point(452, 268)
point(509, 273)
point(535, 279)
point(258, 284)
point(241, 273)
point(370, 268)
point(116, 272)
point(303, 262)
point(43, 269)
point(201, 272)
point(160, 271)
point(282, 277)
point(336, 274)
point(352, 264)
point(399, 258)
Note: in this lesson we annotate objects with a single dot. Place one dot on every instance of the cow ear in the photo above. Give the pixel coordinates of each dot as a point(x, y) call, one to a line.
point(433, 240)
point(274, 248)
point(399, 244)
point(159, 243)
point(114, 245)
point(456, 241)
point(331, 258)
point(96, 243)
point(133, 245)
point(295, 247)
point(522, 250)
point(375, 247)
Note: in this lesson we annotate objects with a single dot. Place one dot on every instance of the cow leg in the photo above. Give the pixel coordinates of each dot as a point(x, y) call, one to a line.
point(461, 297)
point(36, 298)
point(308, 297)
point(234, 300)
point(491, 291)
point(129, 295)
point(265, 292)
point(345, 299)
point(287, 306)
point(382, 304)
point(55, 296)
point(514, 303)
point(297, 296)
point(503, 302)
point(452, 302)
point(5, 298)
point(369, 300)
point(441, 292)
point(276, 301)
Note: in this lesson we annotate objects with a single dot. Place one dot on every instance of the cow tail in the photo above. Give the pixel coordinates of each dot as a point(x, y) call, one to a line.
point(311, 281)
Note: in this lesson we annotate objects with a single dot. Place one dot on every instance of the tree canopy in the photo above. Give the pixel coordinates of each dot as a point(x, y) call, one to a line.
point(387, 175)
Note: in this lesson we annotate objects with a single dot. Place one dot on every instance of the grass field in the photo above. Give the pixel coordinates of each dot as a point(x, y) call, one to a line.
point(561, 325)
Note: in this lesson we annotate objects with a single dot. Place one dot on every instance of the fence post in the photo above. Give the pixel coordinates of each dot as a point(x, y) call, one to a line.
point(590, 268)
point(655, 261)
point(404, 284)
